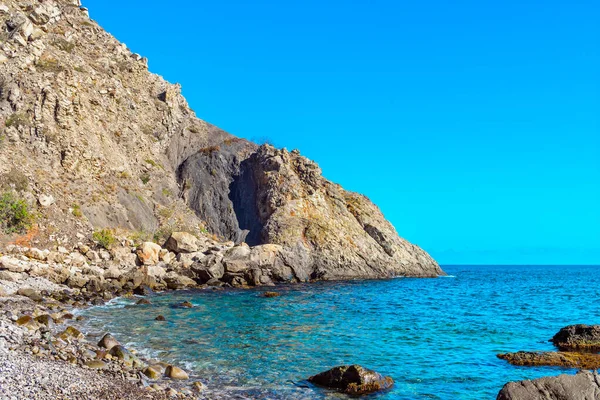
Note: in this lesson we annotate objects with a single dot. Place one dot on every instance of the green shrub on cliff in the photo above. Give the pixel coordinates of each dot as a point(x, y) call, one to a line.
point(105, 238)
point(15, 216)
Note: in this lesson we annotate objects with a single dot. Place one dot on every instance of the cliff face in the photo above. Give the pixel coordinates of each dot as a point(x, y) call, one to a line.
point(91, 139)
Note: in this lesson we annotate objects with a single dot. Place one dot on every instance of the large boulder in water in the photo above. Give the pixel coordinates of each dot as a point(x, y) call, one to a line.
point(583, 386)
point(578, 337)
point(352, 379)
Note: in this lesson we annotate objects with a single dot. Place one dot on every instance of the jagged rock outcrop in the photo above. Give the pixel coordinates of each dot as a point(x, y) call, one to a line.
point(92, 139)
point(583, 386)
point(279, 197)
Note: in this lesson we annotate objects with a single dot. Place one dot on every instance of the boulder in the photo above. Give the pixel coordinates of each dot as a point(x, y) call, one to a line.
point(210, 267)
point(585, 385)
point(143, 302)
point(153, 372)
point(353, 380)
point(578, 337)
point(46, 320)
point(70, 333)
point(160, 318)
point(147, 253)
point(31, 293)
point(174, 372)
point(108, 342)
point(10, 276)
point(175, 281)
point(121, 353)
point(549, 358)
point(181, 242)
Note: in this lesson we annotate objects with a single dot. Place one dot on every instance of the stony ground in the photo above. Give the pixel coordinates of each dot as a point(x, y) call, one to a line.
point(39, 361)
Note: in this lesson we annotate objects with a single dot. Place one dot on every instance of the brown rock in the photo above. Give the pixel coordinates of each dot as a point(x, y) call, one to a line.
point(578, 337)
point(558, 359)
point(353, 380)
point(174, 372)
point(271, 294)
point(160, 318)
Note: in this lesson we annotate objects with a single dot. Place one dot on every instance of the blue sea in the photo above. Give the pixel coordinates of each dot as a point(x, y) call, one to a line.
point(438, 338)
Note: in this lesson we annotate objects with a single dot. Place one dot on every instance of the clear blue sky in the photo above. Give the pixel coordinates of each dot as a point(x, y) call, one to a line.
point(474, 125)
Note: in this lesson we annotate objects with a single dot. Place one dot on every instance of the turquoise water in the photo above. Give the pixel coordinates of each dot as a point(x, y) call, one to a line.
point(438, 338)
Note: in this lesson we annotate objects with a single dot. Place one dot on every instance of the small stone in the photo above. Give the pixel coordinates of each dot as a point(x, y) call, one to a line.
point(160, 318)
point(95, 364)
point(174, 372)
point(198, 386)
point(46, 200)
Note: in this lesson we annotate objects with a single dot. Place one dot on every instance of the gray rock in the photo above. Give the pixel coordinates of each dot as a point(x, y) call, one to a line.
point(585, 385)
point(181, 242)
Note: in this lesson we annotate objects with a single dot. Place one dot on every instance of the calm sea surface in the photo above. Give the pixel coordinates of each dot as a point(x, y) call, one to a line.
point(438, 338)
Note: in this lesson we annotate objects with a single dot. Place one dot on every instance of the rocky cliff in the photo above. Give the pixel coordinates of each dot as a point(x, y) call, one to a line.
point(90, 139)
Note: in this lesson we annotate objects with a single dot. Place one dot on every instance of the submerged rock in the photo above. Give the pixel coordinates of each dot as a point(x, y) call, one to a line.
point(160, 318)
point(578, 337)
point(549, 358)
point(271, 294)
point(184, 304)
point(352, 379)
point(583, 386)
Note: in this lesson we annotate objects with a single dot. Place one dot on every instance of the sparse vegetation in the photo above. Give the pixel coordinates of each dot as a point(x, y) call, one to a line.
point(49, 65)
point(14, 179)
point(17, 120)
point(105, 238)
point(154, 163)
point(166, 192)
point(76, 211)
point(209, 149)
point(64, 45)
point(145, 178)
point(15, 216)
point(139, 237)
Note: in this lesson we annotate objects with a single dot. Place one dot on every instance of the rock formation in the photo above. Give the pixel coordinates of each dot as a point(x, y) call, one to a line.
point(90, 139)
point(353, 380)
point(583, 386)
point(578, 337)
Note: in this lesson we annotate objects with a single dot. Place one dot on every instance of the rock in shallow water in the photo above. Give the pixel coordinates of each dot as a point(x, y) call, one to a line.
point(578, 337)
point(583, 386)
point(174, 372)
point(549, 358)
point(352, 379)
